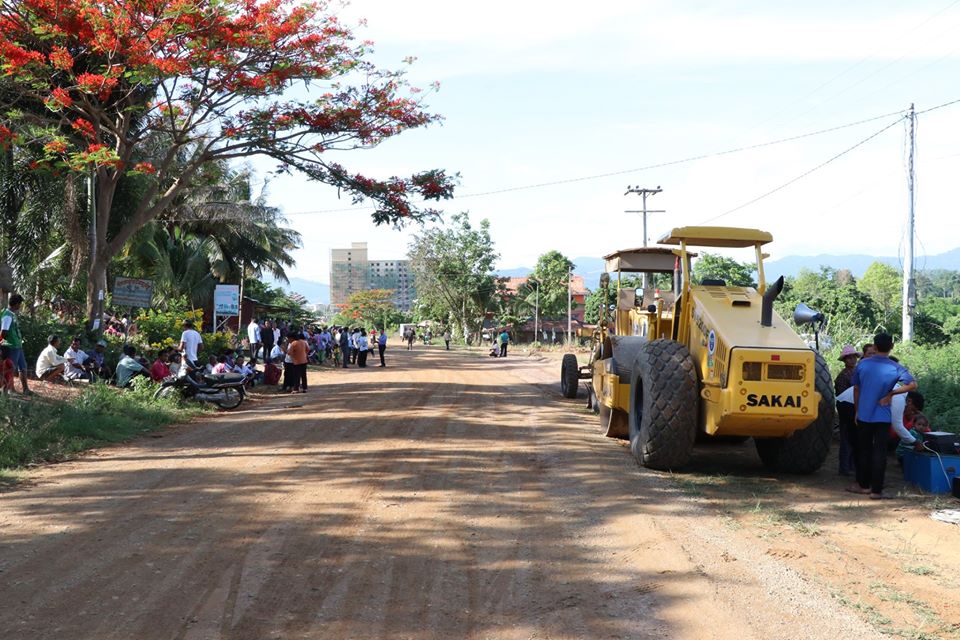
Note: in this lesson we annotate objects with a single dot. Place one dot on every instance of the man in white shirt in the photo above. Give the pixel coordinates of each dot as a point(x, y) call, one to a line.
point(76, 359)
point(253, 337)
point(190, 342)
point(50, 365)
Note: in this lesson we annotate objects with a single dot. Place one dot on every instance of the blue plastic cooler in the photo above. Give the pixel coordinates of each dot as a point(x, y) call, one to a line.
point(929, 472)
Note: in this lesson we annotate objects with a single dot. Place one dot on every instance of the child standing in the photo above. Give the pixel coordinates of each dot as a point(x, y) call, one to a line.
point(6, 370)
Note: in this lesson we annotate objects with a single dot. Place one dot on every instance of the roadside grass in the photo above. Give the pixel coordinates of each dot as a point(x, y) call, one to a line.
point(43, 430)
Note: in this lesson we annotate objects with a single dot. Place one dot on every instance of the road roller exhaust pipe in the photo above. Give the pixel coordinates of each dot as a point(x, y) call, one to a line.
point(766, 310)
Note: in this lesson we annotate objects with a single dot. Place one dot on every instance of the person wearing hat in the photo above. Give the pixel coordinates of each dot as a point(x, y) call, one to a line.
point(849, 356)
point(98, 361)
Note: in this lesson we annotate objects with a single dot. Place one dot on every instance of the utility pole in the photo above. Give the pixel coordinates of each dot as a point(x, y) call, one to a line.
point(569, 306)
point(536, 313)
point(909, 293)
point(643, 192)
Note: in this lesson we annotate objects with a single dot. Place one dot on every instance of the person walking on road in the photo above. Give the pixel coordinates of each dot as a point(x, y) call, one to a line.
point(410, 336)
point(382, 346)
point(11, 338)
point(504, 340)
point(446, 338)
point(875, 382)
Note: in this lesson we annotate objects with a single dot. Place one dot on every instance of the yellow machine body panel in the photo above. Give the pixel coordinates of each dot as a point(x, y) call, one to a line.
point(756, 380)
point(610, 390)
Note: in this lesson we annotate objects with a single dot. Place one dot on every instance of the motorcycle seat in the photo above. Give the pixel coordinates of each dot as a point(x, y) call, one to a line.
point(223, 378)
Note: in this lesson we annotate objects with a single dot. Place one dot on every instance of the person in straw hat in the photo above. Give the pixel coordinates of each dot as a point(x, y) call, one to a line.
point(849, 356)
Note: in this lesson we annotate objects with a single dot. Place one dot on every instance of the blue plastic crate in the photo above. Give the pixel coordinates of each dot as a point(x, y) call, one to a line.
point(929, 472)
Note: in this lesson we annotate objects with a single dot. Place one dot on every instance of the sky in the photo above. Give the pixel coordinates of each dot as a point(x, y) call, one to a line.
point(589, 99)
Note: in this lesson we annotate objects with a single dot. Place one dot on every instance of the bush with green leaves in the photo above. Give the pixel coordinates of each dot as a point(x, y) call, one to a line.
point(40, 430)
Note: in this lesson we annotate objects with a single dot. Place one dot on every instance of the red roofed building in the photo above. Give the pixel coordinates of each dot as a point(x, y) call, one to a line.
point(556, 326)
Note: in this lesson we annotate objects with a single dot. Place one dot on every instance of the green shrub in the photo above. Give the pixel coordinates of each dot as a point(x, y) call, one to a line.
point(38, 430)
point(937, 369)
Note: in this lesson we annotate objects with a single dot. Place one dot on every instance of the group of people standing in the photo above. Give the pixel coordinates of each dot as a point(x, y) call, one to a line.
point(876, 397)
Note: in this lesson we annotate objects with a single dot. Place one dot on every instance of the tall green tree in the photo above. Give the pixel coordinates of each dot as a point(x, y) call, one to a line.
point(453, 266)
point(547, 285)
point(711, 266)
point(92, 83)
point(884, 285)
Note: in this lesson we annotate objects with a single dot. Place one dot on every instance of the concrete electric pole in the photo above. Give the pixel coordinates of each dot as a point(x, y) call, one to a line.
point(643, 194)
point(909, 293)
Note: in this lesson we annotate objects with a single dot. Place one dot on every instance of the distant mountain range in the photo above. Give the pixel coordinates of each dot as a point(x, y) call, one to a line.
point(591, 268)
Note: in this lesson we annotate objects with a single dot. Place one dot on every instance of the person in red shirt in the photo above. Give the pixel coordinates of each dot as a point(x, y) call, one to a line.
point(160, 369)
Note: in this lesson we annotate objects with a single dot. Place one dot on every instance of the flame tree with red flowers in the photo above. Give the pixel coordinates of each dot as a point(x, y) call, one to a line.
point(88, 83)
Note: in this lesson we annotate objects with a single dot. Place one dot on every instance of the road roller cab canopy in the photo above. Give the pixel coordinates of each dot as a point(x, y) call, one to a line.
point(643, 259)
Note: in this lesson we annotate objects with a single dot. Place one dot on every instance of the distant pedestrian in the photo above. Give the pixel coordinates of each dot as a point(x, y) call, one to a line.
point(266, 339)
point(363, 348)
point(504, 340)
point(354, 345)
point(253, 337)
point(446, 338)
point(345, 346)
point(297, 351)
point(382, 345)
point(875, 382)
point(411, 336)
point(11, 337)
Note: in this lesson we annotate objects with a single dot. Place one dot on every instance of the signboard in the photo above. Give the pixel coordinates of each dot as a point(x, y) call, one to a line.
point(132, 292)
point(226, 300)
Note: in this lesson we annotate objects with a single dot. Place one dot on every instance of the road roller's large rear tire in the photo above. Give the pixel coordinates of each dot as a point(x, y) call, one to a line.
point(664, 396)
point(569, 376)
point(805, 450)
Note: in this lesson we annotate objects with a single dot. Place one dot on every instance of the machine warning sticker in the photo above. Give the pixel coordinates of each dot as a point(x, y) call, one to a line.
point(712, 342)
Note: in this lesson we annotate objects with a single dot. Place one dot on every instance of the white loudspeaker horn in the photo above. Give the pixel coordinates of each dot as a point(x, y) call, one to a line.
point(804, 314)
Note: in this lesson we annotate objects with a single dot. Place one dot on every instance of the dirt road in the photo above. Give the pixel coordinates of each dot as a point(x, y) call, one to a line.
point(447, 496)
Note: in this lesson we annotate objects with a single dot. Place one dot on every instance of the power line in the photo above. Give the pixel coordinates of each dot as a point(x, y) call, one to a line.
point(668, 163)
point(803, 175)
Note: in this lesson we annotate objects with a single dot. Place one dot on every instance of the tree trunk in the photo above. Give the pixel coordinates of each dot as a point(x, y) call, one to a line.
point(96, 290)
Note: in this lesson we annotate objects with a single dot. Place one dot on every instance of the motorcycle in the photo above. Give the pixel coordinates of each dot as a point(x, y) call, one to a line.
point(222, 389)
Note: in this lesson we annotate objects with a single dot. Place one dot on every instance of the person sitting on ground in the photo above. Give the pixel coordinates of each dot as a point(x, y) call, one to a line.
point(50, 365)
point(174, 362)
point(277, 352)
point(98, 362)
point(78, 367)
point(251, 374)
point(160, 370)
point(211, 363)
point(222, 366)
point(129, 366)
point(7, 370)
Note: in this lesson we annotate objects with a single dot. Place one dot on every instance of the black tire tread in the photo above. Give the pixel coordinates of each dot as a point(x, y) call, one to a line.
point(664, 437)
point(806, 450)
point(569, 376)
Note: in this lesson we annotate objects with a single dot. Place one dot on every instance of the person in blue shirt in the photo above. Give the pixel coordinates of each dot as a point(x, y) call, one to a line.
point(875, 383)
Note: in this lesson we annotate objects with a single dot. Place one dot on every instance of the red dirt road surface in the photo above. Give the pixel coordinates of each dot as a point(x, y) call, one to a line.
point(447, 496)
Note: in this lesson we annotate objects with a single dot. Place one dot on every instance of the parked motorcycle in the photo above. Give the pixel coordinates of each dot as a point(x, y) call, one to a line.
point(222, 389)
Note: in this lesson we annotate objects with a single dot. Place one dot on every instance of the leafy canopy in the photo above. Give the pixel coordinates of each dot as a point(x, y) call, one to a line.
point(89, 82)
